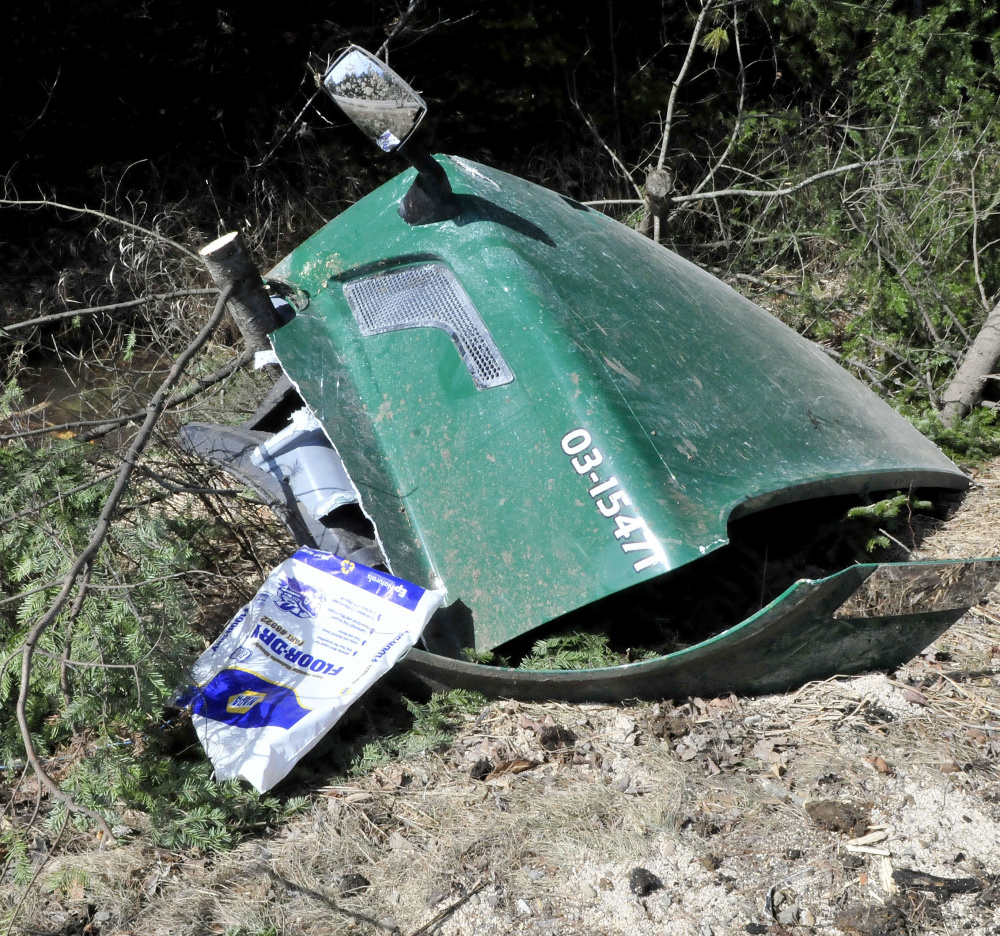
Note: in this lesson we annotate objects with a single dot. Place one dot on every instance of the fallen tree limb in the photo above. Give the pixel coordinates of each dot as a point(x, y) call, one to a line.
point(966, 388)
point(104, 216)
point(101, 427)
point(91, 310)
point(78, 576)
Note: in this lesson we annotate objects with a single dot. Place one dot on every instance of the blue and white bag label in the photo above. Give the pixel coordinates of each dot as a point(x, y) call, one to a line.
point(320, 631)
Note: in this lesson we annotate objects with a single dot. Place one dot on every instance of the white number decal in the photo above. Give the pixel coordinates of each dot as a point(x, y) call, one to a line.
point(591, 460)
point(618, 500)
point(574, 444)
point(572, 448)
point(626, 526)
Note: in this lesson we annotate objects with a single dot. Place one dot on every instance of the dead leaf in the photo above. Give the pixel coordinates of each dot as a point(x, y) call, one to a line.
point(515, 766)
point(917, 698)
point(398, 843)
point(878, 763)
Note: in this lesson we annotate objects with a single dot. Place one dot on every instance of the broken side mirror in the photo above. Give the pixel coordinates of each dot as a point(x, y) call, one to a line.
point(383, 106)
point(387, 110)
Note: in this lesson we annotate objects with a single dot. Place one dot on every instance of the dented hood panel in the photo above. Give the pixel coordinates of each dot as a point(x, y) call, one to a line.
point(649, 403)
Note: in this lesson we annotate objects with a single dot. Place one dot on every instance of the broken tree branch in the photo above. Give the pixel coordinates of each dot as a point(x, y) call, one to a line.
point(104, 216)
point(91, 310)
point(78, 575)
point(966, 388)
point(228, 260)
point(101, 427)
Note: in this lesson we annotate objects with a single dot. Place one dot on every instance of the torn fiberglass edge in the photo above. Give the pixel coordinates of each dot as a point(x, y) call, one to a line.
point(643, 413)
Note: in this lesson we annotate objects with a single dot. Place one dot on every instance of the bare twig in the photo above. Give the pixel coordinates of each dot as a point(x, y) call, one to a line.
point(614, 158)
point(788, 189)
point(707, 7)
point(79, 573)
point(975, 238)
point(104, 216)
point(101, 427)
point(401, 24)
point(614, 201)
point(289, 129)
point(739, 111)
point(668, 123)
point(91, 310)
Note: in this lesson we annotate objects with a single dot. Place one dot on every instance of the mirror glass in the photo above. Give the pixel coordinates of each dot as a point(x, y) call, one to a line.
point(379, 102)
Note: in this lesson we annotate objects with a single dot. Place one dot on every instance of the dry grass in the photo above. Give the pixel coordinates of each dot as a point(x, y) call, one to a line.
point(709, 795)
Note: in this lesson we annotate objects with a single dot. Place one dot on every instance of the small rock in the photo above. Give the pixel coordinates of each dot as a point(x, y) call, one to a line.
point(665, 900)
point(622, 783)
point(710, 862)
point(388, 924)
point(793, 854)
point(536, 874)
point(102, 916)
point(606, 884)
point(351, 884)
point(522, 907)
point(642, 882)
point(437, 895)
point(586, 892)
point(788, 916)
point(806, 918)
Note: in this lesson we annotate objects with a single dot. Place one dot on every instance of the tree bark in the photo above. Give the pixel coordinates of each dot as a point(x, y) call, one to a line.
point(966, 388)
point(229, 263)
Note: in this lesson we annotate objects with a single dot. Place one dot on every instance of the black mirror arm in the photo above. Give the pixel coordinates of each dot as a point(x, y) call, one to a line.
point(430, 198)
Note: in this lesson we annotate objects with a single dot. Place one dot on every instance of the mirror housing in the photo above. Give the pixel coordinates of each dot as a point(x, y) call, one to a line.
point(387, 110)
point(383, 106)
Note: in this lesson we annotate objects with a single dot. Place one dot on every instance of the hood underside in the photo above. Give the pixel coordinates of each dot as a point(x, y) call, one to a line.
point(540, 408)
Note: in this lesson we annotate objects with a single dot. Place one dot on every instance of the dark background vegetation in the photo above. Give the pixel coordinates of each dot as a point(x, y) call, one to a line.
point(186, 102)
point(193, 120)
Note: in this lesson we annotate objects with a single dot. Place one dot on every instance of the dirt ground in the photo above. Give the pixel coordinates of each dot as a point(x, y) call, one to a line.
point(866, 805)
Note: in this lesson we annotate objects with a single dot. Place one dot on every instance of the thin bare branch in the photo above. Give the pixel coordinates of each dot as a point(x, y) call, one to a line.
point(975, 238)
point(101, 427)
point(614, 201)
point(401, 24)
point(737, 126)
point(668, 123)
point(91, 310)
point(612, 154)
point(79, 573)
point(788, 189)
point(104, 216)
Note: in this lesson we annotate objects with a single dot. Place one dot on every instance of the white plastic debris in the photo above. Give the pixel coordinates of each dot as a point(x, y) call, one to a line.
point(301, 455)
point(320, 631)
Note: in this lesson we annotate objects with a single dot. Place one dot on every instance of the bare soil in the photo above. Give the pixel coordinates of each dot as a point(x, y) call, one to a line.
point(866, 805)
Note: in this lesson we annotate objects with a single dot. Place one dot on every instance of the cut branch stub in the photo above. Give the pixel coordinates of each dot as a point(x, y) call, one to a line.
point(659, 185)
point(229, 263)
point(966, 388)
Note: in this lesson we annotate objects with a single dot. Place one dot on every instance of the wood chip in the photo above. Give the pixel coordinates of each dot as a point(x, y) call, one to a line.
point(870, 839)
point(917, 698)
point(868, 850)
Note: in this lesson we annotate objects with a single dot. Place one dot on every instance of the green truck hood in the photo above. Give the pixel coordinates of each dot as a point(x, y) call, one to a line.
point(650, 403)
